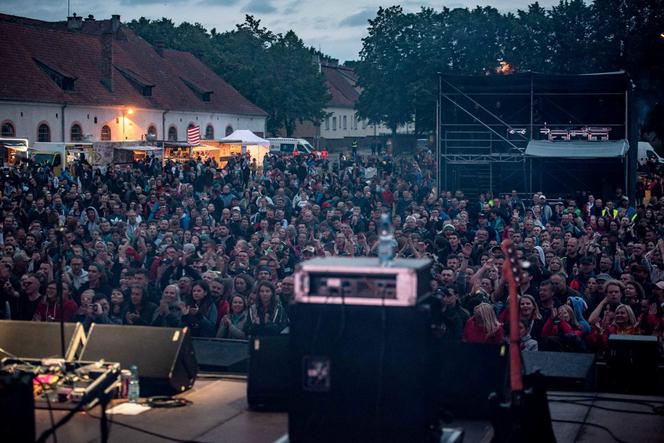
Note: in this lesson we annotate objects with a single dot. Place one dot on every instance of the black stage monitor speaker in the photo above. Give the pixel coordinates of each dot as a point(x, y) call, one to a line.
point(221, 355)
point(469, 373)
point(268, 381)
point(17, 408)
point(37, 340)
point(360, 374)
point(164, 356)
point(562, 371)
point(632, 364)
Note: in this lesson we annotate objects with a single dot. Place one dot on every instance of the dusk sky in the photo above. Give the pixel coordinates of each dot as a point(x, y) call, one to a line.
point(336, 27)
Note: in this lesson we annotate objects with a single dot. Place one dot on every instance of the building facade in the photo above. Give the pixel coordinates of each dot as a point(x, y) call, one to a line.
point(342, 126)
point(90, 80)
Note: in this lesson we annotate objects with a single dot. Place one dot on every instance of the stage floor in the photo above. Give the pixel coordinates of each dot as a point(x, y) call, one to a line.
point(219, 414)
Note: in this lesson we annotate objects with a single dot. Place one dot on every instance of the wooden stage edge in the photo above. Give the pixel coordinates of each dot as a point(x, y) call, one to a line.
point(219, 413)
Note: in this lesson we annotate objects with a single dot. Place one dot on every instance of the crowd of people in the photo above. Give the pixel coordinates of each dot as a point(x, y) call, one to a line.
point(214, 248)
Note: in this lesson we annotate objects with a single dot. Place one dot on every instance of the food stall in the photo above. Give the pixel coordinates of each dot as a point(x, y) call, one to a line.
point(130, 153)
point(61, 155)
point(12, 149)
point(246, 142)
point(176, 151)
point(206, 151)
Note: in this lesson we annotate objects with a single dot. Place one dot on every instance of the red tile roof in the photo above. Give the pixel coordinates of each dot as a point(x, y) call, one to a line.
point(341, 84)
point(78, 54)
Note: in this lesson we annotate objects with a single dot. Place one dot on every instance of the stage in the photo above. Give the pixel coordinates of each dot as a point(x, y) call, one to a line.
point(219, 413)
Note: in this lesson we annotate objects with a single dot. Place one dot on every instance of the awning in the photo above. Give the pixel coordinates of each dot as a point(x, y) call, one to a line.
point(577, 149)
point(244, 137)
point(139, 148)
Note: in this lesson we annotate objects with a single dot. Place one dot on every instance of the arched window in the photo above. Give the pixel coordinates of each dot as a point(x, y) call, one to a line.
point(209, 132)
point(172, 134)
point(76, 133)
point(8, 129)
point(152, 132)
point(106, 133)
point(43, 133)
point(229, 130)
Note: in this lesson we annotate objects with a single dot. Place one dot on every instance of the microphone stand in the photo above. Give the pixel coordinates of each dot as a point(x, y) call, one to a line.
point(100, 392)
point(59, 232)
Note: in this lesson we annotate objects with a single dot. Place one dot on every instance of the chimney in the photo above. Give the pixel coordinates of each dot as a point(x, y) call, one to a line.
point(115, 23)
point(159, 47)
point(74, 23)
point(90, 18)
point(107, 59)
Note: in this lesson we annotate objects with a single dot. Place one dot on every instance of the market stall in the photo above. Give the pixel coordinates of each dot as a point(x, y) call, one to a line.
point(128, 154)
point(248, 143)
point(176, 151)
point(11, 149)
point(207, 151)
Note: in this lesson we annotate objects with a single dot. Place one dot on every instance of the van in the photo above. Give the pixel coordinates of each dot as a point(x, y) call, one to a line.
point(290, 146)
point(647, 153)
point(59, 155)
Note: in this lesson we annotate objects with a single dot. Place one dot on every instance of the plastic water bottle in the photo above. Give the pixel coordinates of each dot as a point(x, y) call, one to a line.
point(385, 240)
point(134, 391)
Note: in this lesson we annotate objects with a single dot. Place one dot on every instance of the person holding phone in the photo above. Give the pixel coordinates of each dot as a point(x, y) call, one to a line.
point(139, 310)
point(199, 312)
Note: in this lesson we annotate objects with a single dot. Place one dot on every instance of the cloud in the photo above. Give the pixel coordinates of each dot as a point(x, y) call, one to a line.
point(38, 10)
point(292, 7)
point(359, 19)
point(217, 2)
point(150, 2)
point(260, 7)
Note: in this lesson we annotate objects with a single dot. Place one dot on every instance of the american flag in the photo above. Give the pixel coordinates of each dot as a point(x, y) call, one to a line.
point(194, 135)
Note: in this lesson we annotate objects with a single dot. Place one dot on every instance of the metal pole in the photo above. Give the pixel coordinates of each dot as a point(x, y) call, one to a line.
point(59, 232)
point(629, 152)
point(532, 93)
point(438, 123)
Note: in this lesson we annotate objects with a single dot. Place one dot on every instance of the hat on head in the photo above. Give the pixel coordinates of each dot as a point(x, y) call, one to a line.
point(660, 284)
point(542, 197)
point(449, 227)
point(603, 277)
point(587, 260)
point(309, 249)
point(236, 208)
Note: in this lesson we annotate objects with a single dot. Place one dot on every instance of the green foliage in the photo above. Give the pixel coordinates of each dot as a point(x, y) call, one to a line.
point(403, 51)
point(274, 71)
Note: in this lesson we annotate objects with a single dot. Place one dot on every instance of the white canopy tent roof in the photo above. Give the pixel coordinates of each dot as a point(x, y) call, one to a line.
point(246, 138)
point(578, 149)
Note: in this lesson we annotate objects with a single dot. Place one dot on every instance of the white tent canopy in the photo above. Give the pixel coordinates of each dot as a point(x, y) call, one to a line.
point(246, 138)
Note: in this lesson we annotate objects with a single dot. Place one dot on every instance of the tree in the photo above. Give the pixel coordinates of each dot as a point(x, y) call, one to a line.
point(530, 39)
point(298, 91)
point(572, 24)
point(383, 73)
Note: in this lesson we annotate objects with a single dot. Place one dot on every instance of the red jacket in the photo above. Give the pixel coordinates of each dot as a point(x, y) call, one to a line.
point(551, 329)
point(473, 333)
point(51, 311)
